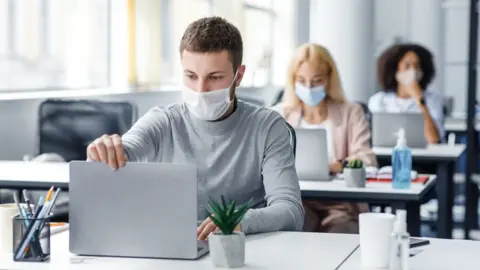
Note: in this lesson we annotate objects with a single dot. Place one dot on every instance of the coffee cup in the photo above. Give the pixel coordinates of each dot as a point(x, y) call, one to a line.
point(375, 234)
point(7, 212)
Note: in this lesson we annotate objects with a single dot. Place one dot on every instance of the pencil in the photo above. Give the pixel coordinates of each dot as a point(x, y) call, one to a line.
point(49, 194)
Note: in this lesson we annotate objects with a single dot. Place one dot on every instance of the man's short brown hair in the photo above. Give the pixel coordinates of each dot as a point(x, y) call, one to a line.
point(213, 34)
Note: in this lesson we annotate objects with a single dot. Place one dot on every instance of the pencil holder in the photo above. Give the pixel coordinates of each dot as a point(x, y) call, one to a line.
point(31, 239)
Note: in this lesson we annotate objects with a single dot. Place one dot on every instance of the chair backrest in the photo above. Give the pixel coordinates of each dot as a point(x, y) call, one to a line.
point(368, 116)
point(66, 127)
point(278, 97)
point(293, 138)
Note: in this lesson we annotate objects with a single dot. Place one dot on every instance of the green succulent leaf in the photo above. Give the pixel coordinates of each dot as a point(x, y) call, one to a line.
point(225, 215)
point(224, 204)
point(217, 210)
point(355, 164)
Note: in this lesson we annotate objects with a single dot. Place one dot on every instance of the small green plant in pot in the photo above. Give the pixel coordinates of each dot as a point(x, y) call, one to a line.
point(354, 173)
point(227, 246)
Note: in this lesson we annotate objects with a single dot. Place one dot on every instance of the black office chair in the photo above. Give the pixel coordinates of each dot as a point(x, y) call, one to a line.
point(293, 138)
point(278, 97)
point(368, 116)
point(66, 127)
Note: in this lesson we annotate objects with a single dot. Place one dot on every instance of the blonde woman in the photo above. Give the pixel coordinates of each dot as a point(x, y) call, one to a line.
point(314, 98)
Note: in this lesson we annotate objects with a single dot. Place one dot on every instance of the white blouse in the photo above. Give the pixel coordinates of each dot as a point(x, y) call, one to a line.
point(390, 103)
point(326, 126)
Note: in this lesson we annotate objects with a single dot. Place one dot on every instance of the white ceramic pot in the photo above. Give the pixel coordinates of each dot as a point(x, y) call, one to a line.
point(354, 177)
point(227, 251)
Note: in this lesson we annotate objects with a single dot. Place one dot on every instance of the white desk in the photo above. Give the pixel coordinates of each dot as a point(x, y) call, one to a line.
point(275, 251)
point(336, 189)
point(443, 157)
point(433, 152)
point(458, 125)
point(376, 192)
point(33, 175)
point(439, 255)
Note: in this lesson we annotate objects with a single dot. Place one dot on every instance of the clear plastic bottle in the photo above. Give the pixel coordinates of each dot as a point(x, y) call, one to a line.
point(400, 243)
point(401, 163)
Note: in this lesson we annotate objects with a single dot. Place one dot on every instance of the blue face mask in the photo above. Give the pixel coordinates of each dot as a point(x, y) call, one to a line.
point(310, 96)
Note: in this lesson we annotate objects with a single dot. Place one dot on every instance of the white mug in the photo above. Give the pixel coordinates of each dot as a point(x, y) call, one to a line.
point(7, 213)
point(375, 234)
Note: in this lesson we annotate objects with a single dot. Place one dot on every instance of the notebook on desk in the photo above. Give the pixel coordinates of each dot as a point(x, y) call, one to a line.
point(146, 210)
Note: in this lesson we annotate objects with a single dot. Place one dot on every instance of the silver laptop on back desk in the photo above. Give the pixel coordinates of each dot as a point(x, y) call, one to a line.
point(385, 125)
point(311, 157)
point(146, 210)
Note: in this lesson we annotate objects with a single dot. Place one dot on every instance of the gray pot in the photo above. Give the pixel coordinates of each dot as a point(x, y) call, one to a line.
point(354, 177)
point(227, 251)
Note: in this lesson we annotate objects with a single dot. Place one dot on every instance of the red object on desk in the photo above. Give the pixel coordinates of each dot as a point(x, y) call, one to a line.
point(420, 179)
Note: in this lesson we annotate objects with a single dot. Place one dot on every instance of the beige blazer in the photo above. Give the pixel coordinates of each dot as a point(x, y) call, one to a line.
point(351, 140)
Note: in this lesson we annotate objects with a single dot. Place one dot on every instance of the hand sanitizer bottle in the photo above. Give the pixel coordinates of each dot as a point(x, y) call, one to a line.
point(400, 243)
point(401, 163)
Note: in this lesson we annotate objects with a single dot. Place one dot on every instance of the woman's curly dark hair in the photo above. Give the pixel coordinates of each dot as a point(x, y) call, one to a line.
point(387, 65)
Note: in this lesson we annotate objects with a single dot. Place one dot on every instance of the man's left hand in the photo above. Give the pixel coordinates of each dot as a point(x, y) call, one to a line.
point(207, 227)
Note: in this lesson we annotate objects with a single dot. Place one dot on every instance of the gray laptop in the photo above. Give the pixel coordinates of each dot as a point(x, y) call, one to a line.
point(146, 210)
point(311, 157)
point(385, 125)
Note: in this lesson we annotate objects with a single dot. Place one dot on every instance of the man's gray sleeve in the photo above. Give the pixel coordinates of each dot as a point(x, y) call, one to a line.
point(142, 141)
point(284, 210)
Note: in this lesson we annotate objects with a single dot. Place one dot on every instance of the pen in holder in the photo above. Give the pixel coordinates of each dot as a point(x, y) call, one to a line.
point(31, 239)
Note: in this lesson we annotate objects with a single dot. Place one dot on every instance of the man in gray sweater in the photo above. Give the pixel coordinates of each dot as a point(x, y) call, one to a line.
point(241, 151)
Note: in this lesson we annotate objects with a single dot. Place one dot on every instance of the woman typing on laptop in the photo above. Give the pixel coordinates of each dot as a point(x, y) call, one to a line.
point(314, 98)
point(404, 71)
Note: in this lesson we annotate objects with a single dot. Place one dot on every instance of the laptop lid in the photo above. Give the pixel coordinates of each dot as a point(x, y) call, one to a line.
point(142, 210)
point(385, 125)
point(311, 158)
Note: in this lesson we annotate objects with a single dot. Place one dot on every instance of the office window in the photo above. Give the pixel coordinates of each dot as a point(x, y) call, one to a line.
point(266, 4)
point(269, 41)
point(284, 39)
point(267, 29)
point(53, 44)
point(258, 46)
point(183, 12)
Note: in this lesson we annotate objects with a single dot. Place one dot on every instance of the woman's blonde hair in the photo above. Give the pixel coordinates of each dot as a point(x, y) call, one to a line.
point(318, 55)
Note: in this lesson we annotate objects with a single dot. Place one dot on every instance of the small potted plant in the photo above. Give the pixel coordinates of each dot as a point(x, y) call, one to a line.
point(354, 173)
point(227, 246)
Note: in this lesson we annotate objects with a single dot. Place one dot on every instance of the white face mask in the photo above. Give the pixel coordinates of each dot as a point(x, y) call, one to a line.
point(409, 76)
point(210, 105)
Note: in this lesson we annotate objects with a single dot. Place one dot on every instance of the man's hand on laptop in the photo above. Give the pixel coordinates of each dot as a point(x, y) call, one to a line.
point(207, 227)
point(109, 150)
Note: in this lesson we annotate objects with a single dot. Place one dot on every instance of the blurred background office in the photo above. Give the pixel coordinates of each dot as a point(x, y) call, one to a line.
point(127, 50)
point(125, 46)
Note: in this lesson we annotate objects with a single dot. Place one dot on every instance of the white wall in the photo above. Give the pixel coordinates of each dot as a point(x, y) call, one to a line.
point(346, 29)
point(456, 53)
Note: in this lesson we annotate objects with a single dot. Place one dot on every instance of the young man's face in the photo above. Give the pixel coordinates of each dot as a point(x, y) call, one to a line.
point(205, 72)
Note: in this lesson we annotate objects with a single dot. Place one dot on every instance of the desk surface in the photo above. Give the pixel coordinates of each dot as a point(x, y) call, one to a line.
point(433, 151)
point(336, 189)
point(20, 174)
point(276, 251)
point(441, 254)
point(458, 125)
